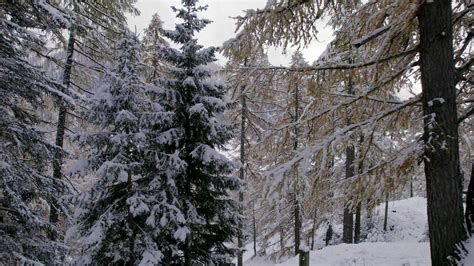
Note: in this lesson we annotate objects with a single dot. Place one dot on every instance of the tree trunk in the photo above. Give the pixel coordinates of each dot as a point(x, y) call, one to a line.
point(357, 224)
point(296, 202)
point(297, 228)
point(187, 251)
point(282, 236)
point(360, 170)
point(58, 155)
point(313, 230)
point(254, 231)
point(240, 240)
point(441, 158)
point(385, 219)
point(469, 201)
point(348, 219)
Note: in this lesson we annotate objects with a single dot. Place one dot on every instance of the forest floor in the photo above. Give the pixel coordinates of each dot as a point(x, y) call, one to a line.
point(404, 242)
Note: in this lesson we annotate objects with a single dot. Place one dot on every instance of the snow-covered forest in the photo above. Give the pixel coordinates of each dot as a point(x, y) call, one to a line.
point(124, 147)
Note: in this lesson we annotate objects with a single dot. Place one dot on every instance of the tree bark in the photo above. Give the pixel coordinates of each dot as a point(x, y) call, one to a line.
point(469, 202)
point(357, 224)
point(58, 155)
point(254, 230)
point(296, 202)
point(187, 251)
point(360, 170)
point(348, 219)
point(240, 239)
point(385, 217)
point(441, 158)
point(313, 230)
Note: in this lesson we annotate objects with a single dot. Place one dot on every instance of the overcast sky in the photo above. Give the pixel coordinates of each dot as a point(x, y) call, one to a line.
point(223, 26)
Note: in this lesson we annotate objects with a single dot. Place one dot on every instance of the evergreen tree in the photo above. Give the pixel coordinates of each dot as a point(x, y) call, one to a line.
point(124, 217)
point(203, 177)
point(25, 186)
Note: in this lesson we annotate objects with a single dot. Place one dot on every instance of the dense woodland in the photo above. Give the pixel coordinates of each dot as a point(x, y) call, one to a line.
point(127, 148)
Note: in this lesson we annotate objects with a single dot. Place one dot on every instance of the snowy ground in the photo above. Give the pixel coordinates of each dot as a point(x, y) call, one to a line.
point(404, 243)
point(370, 253)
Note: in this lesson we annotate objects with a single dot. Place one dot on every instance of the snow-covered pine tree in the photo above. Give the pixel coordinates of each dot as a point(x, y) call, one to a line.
point(125, 216)
point(25, 187)
point(203, 177)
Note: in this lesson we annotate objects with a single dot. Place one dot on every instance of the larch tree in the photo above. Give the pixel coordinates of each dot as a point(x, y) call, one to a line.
point(257, 107)
point(25, 186)
point(253, 113)
point(202, 175)
point(154, 42)
point(392, 34)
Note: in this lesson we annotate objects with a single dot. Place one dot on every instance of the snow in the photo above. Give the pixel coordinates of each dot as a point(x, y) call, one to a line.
point(381, 253)
point(432, 102)
point(137, 206)
point(407, 221)
point(404, 243)
point(371, 35)
point(469, 259)
point(151, 257)
point(181, 233)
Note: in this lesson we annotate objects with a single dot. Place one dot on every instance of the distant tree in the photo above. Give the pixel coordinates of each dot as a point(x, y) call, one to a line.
point(154, 42)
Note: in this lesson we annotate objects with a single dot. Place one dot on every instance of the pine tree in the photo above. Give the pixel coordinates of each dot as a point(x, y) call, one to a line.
point(203, 176)
point(25, 187)
point(126, 215)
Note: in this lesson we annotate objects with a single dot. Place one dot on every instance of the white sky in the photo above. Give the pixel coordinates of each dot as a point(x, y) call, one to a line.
point(223, 26)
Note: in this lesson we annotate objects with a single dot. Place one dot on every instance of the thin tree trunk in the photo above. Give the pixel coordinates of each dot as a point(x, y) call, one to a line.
point(357, 224)
point(313, 230)
point(297, 228)
point(282, 236)
point(296, 202)
point(441, 157)
point(385, 219)
point(411, 187)
point(187, 251)
point(131, 244)
point(240, 240)
point(58, 155)
point(360, 170)
point(348, 218)
point(469, 201)
point(254, 230)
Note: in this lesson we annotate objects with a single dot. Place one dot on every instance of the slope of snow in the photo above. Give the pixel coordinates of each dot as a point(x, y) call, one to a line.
point(404, 242)
point(370, 253)
point(407, 221)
